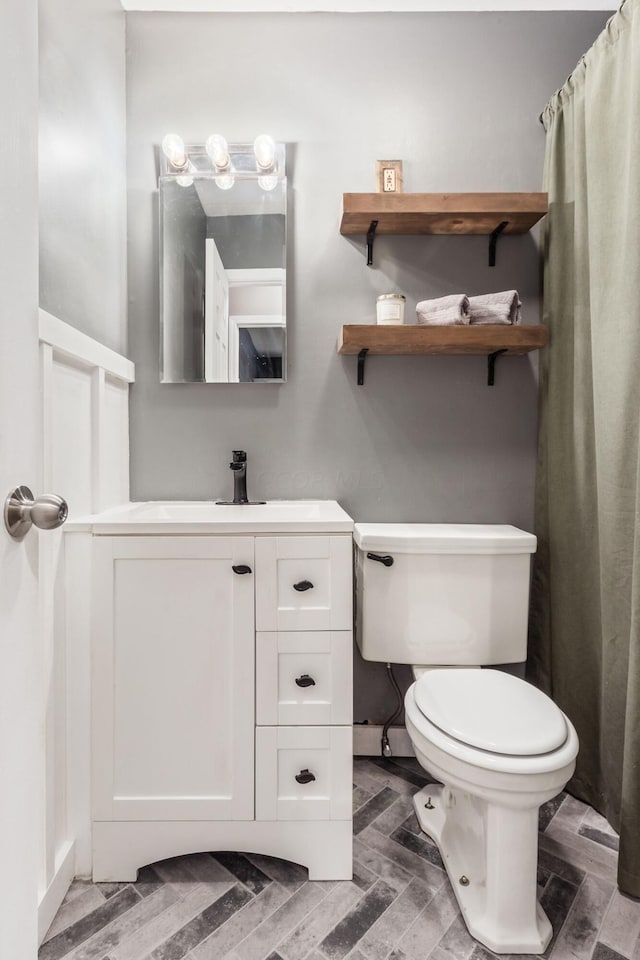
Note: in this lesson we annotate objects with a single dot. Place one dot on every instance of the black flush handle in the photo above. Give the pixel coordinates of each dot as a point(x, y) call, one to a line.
point(240, 568)
point(386, 559)
point(303, 585)
point(305, 776)
point(305, 681)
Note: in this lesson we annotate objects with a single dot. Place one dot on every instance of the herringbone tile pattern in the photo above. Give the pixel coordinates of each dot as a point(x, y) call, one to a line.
point(399, 905)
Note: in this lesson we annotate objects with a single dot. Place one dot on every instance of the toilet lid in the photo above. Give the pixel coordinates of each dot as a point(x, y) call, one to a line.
point(491, 710)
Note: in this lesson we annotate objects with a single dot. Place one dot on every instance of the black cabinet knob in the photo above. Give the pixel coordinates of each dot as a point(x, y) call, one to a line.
point(305, 681)
point(303, 585)
point(240, 568)
point(385, 559)
point(305, 776)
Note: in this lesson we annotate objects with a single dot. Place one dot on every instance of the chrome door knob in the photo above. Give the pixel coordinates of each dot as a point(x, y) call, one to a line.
point(22, 510)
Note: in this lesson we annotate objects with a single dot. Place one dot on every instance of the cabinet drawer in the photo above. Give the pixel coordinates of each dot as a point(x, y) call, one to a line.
point(303, 773)
point(304, 678)
point(304, 583)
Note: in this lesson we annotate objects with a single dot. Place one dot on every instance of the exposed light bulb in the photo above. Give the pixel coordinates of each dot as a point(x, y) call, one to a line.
point(173, 149)
point(184, 181)
point(218, 151)
point(225, 183)
point(268, 183)
point(265, 151)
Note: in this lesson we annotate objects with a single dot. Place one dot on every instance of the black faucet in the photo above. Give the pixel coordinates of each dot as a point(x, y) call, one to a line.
point(239, 467)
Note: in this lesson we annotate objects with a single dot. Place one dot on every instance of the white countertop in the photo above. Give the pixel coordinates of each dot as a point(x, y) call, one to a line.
point(206, 517)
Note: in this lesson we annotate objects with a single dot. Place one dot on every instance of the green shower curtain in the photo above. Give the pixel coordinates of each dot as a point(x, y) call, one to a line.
point(585, 643)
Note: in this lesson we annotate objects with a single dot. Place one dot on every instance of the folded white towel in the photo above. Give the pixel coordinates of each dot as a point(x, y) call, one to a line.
point(444, 310)
point(503, 307)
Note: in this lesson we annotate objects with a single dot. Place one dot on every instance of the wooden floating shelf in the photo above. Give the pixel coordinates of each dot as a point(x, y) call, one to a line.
point(475, 339)
point(453, 214)
point(441, 213)
point(488, 340)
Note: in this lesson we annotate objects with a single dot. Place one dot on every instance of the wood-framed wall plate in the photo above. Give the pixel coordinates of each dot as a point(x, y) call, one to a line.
point(389, 176)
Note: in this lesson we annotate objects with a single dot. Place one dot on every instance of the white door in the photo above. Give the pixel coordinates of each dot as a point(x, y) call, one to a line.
point(257, 304)
point(216, 317)
point(20, 736)
point(173, 678)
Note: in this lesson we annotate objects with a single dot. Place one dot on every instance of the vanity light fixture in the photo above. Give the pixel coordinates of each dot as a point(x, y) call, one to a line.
point(268, 183)
point(218, 150)
point(174, 151)
point(225, 182)
point(264, 161)
point(265, 151)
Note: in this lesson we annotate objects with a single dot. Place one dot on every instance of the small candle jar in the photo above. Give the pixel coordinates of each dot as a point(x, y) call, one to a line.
point(390, 308)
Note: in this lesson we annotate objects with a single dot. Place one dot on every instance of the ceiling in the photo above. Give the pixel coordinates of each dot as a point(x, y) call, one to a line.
point(361, 6)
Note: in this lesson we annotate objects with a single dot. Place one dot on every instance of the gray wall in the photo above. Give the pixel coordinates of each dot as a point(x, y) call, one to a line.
point(83, 166)
point(457, 97)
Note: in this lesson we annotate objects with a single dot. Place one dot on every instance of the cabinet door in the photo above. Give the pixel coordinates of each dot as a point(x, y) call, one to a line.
point(304, 678)
point(304, 583)
point(173, 677)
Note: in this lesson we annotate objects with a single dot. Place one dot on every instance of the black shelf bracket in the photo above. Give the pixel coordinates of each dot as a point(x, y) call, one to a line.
point(371, 235)
point(493, 239)
point(491, 365)
point(361, 357)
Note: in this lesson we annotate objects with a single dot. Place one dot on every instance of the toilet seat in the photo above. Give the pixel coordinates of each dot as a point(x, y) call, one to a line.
point(425, 736)
point(491, 711)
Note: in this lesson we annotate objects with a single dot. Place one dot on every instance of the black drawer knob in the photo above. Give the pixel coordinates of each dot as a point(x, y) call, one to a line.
point(385, 559)
point(240, 568)
point(303, 585)
point(305, 776)
point(305, 681)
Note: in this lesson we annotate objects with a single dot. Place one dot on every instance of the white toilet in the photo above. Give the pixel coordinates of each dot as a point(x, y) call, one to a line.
point(449, 598)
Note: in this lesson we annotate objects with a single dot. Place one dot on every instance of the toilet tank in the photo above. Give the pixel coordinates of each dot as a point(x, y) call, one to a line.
point(453, 593)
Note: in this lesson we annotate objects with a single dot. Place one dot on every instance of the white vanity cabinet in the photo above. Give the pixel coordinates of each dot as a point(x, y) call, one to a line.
point(221, 696)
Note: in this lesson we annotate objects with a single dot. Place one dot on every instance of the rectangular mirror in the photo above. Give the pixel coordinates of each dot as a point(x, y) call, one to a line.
point(222, 276)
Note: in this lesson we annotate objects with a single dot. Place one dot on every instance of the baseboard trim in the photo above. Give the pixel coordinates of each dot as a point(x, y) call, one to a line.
point(55, 892)
point(367, 737)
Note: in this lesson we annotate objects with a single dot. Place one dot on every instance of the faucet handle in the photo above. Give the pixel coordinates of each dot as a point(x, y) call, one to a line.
point(239, 456)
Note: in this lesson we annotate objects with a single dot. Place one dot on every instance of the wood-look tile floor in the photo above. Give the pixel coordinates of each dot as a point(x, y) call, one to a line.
point(399, 905)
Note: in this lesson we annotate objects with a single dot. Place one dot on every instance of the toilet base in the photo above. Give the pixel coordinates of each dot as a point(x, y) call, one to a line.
point(490, 855)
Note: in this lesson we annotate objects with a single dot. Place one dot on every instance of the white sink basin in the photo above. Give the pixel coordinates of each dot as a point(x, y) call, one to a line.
point(205, 516)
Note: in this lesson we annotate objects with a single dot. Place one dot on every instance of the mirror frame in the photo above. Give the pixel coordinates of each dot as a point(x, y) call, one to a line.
point(197, 165)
